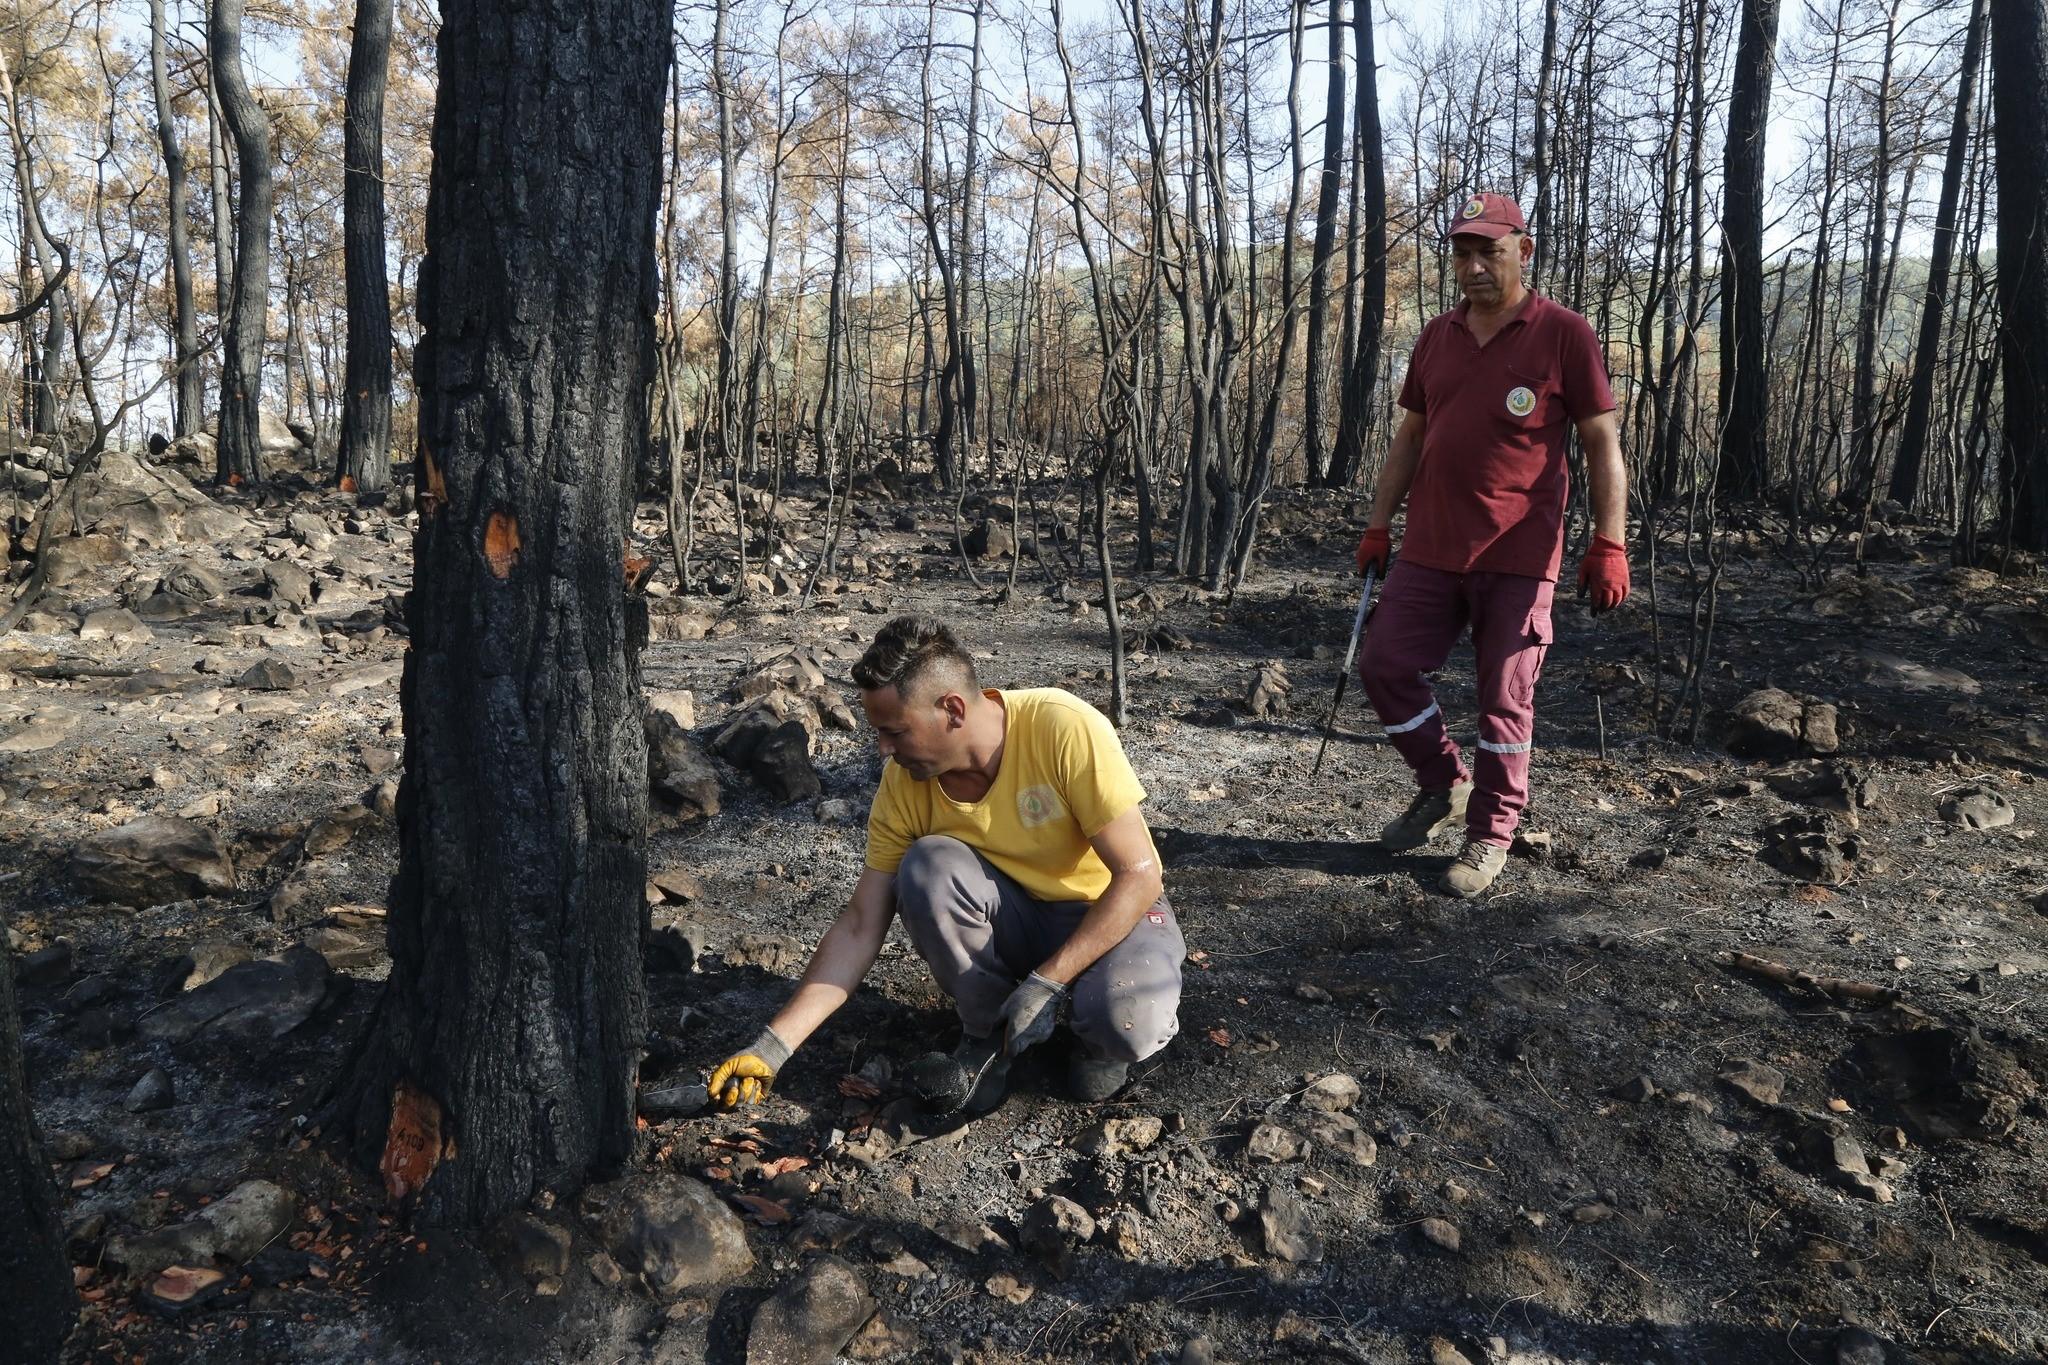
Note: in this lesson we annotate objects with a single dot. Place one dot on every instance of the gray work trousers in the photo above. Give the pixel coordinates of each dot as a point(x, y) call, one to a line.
point(981, 935)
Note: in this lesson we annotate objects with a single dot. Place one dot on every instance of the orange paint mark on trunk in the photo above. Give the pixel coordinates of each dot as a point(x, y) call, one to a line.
point(234, 480)
point(639, 569)
point(433, 488)
point(501, 543)
point(348, 483)
point(412, 1145)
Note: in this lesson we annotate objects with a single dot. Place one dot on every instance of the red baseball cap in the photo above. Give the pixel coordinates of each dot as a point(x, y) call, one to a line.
point(1487, 215)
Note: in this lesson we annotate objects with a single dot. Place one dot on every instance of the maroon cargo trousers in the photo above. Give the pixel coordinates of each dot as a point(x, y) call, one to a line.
point(1420, 615)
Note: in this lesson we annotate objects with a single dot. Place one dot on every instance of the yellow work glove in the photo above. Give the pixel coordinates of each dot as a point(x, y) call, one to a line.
point(744, 1077)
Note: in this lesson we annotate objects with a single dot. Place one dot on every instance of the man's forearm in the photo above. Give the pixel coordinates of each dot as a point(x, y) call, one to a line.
point(841, 961)
point(1108, 922)
point(1607, 484)
point(1395, 476)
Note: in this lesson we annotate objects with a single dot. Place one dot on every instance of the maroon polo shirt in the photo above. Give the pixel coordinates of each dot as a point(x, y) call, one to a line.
point(1490, 484)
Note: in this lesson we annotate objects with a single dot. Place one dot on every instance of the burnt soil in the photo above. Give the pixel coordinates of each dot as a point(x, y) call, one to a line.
point(1541, 1069)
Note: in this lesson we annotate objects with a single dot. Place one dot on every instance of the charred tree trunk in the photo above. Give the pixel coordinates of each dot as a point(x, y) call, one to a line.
point(502, 1057)
point(1905, 486)
point(40, 1304)
point(728, 243)
point(1745, 399)
point(364, 461)
point(1354, 414)
point(2019, 119)
point(188, 404)
point(241, 383)
point(1319, 262)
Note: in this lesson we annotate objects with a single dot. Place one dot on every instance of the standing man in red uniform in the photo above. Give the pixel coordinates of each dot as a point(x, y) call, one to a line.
point(1492, 390)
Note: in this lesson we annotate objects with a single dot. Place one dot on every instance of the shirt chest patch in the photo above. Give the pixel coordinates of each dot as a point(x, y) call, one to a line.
point(1039, 805)
point(1521, 401)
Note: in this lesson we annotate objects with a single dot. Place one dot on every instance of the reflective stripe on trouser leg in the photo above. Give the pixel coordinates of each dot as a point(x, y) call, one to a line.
point(1410, 633)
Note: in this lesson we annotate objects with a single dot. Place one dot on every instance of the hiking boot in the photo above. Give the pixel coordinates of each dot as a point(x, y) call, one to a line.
point(1428, 815)
point(1092, 1079)
point(1474, 869)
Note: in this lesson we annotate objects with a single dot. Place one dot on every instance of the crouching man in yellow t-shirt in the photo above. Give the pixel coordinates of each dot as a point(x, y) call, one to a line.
point(1009, 833)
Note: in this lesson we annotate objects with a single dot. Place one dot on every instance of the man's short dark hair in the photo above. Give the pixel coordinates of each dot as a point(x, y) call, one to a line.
point(909, 651)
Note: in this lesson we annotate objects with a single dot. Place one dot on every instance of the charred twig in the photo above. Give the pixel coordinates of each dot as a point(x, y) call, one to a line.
point(1833, 987)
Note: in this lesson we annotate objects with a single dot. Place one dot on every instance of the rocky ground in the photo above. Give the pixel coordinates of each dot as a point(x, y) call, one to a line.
point(1741, 1062)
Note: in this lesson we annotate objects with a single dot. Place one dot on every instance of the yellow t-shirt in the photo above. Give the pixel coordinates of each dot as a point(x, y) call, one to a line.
point(1063, 778)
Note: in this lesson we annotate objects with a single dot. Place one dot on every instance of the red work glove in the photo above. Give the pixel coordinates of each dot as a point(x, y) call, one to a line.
point(1604, 573)
point(1374, 549)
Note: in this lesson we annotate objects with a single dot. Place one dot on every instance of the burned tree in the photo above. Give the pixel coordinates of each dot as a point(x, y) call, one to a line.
point(241, 380)
point(2019, 119)
point(1745, 393)
point(40, 1302)
point(502, 1057)
point(363, 463)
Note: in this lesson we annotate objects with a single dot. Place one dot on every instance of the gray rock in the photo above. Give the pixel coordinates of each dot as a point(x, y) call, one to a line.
point(1341, 1134)
point(191, 583)
point(116, 624)
point(235, 1227)
point(332, 832)
point(680, 705)
point(135, 503)
point(1774, 724)
point(1052, 1228)
point(809, 1318)
point(248, 1218)
point(284, 581)
point(271, 675)
point(153, 1092)
point(346, 950)
point(151, 860)
point(1978, 808)
point(1760, 1081)
point(1270, 1144)
point(1118, 1137)
point(1441, 1233)
point(45, 730)
point(75, 559)
point(1332, 1094)
point(782, 765)
point(309, 530)
point(677, 770)
point(1285, 1226)
point(248, 1003)
point(206, 961)
point(990, 539)
point(676, 1234)
point(533, 1248)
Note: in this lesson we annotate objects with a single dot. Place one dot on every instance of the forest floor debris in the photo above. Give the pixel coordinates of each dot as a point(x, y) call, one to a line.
point(1547, 1127)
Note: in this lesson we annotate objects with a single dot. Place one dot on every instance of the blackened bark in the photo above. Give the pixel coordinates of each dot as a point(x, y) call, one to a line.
point(241, 382)
point(1905, 486)
point(2019, 119)
point(40, 1304)
point(506, 1041)
point(1354, 413)
point(1325, 244)
point(1745, 399)
point(363, 461)
point(188, 402)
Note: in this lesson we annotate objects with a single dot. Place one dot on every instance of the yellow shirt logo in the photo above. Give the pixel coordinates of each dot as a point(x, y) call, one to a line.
point(1039, 805)
point(1521, 402)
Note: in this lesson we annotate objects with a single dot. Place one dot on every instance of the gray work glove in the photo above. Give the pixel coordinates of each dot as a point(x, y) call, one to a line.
point(1030, 1013)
